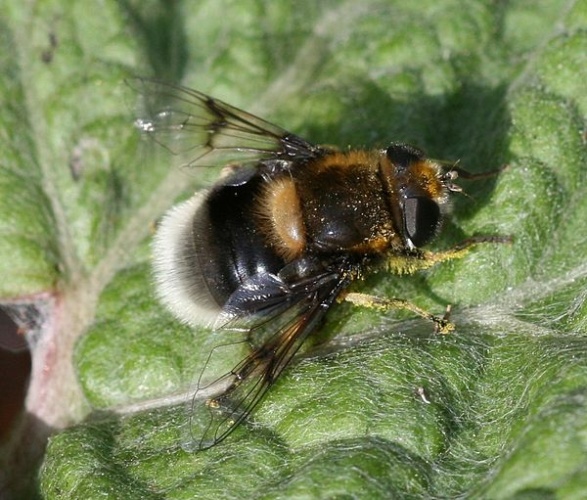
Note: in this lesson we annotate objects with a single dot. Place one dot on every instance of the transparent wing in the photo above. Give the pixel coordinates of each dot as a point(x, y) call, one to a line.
point(278, 328)
point(210, 132)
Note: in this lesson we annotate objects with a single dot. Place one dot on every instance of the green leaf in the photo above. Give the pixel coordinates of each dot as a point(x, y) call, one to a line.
point(497, 409)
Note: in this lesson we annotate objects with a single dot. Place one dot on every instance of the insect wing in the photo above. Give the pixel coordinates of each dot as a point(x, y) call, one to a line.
point(279, 331)
point(207, 131)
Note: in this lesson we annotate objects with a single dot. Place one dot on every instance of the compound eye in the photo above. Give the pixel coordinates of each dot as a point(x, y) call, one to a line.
point(421, 219)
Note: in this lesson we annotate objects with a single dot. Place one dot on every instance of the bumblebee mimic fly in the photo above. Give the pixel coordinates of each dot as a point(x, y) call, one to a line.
point(282, 234)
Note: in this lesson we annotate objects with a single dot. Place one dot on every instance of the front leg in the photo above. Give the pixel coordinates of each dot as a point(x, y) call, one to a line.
point(460, 249)
point(425, 259)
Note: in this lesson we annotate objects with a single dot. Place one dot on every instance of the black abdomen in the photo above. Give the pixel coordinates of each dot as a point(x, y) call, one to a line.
point(229, 246)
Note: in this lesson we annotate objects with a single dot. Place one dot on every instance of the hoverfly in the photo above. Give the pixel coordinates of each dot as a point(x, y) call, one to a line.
point(281, 235)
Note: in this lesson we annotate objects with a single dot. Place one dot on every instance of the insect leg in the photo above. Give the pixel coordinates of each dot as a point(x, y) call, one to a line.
point(460, 249)
point(423, 261)
point(442, 324)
